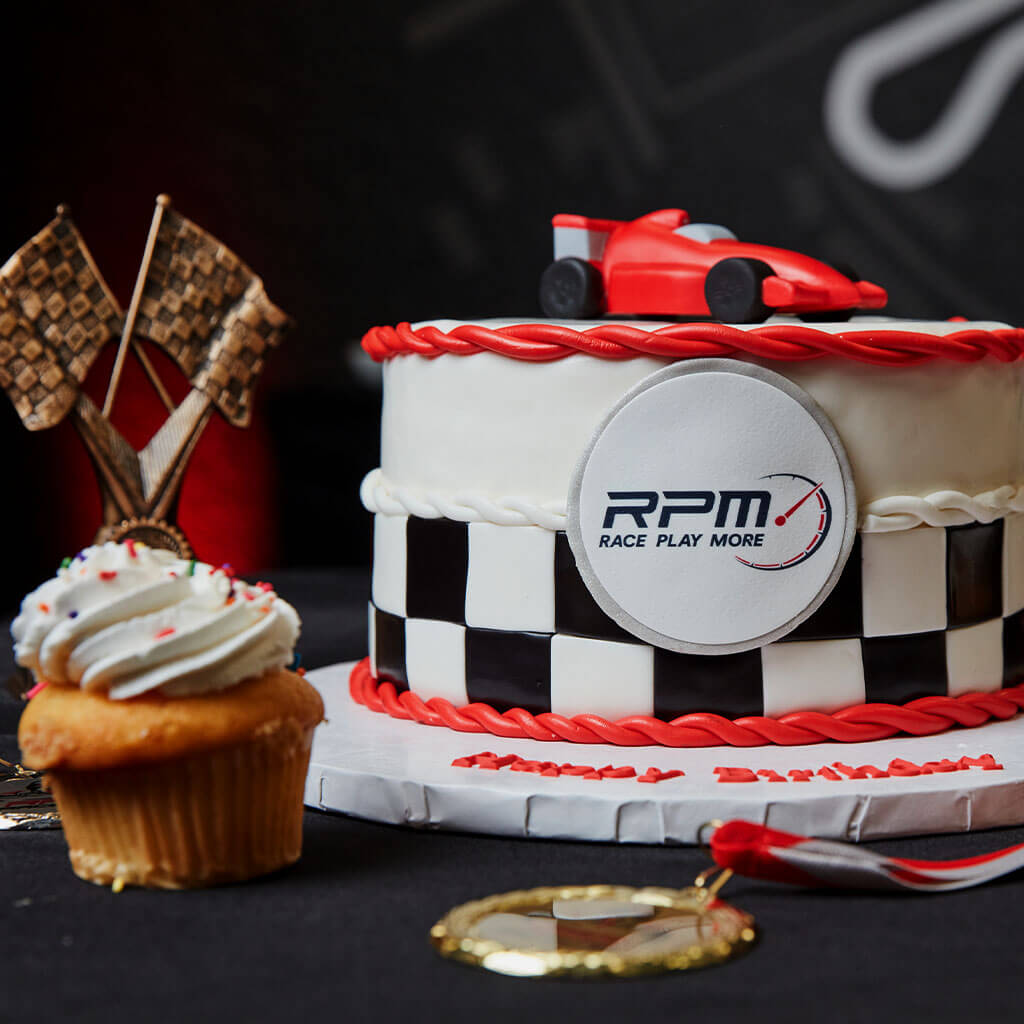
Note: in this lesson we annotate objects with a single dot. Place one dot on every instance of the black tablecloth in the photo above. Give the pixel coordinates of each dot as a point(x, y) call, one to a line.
point(343, 934)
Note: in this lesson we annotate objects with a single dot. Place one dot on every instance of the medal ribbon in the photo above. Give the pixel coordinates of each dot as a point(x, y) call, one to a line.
point(759, 852)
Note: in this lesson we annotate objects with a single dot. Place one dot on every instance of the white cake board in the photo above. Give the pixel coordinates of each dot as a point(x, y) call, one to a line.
point(373, 766)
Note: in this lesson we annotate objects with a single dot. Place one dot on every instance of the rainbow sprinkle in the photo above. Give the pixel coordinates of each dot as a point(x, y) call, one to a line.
point(65, 562)
point(41, 685)
point(191, 568)
point(169, 631)
point(108, 574)
point(130, 545)
point(44, 607)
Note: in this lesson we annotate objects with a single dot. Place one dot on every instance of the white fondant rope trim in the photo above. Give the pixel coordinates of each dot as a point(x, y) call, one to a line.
point(380, 495)
point(943, 508)
point(887, 515)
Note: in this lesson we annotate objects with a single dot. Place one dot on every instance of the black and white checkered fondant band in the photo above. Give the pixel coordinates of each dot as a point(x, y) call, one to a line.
point(478, 612)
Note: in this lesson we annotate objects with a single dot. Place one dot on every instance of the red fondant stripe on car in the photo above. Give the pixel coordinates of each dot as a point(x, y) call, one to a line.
point(859, 724)
point(782, 342)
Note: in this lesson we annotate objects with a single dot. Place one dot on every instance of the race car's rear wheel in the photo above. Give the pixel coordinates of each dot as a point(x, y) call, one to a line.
point(732, 290)
point(571, 289)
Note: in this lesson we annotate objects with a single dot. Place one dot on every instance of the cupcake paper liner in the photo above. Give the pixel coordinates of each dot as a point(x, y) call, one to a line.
point(219, 816)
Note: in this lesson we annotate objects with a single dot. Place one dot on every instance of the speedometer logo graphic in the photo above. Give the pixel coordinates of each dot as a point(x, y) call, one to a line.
point(795, 534)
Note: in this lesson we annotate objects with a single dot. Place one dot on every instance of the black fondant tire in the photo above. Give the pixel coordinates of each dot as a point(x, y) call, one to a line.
point(732, 290)
point(571, 289)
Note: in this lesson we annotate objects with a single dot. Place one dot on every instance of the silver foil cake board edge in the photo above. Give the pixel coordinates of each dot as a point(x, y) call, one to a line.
point(372, 766)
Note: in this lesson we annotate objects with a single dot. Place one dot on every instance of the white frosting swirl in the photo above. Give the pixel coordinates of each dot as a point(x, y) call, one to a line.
point(129, 619)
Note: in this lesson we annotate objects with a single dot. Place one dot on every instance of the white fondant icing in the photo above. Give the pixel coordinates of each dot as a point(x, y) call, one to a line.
point(388, 587)
point(435, 659)
point(944, 508)
point(819, 675)
point(488, 426)
point(887, 515)
point(601, 677)
point(974, 658)
point(379, 495)
point(903, 579)
point(1013, 564)
point(510, 583)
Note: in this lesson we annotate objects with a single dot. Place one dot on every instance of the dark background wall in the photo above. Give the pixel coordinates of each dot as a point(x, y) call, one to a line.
point(390, 161)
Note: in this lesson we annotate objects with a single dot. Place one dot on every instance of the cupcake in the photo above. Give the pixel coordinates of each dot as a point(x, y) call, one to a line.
point(175, 739)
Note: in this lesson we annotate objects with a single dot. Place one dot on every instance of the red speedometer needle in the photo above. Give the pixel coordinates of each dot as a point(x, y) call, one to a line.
point(781, 520)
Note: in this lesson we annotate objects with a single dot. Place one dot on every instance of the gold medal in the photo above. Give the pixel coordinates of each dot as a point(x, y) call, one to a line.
point(589, 931)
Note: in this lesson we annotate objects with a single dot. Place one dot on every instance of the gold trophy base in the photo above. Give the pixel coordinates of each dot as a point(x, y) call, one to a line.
point(157, 533)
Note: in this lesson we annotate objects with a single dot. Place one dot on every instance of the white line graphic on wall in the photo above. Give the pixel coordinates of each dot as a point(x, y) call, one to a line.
point(963, 123)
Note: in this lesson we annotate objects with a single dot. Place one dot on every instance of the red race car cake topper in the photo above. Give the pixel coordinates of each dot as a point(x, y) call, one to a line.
point(663, 265)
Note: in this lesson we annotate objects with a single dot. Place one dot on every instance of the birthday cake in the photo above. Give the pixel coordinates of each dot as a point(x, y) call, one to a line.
point(695, 533)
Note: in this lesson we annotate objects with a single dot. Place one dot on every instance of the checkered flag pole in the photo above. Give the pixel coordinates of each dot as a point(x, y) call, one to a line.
point(207, 310)
point(757, 851)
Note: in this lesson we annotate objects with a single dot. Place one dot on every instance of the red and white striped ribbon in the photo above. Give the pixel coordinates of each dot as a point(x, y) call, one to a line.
point(759, 852)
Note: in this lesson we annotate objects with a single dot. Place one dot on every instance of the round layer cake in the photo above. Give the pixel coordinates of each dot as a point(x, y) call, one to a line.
point(485, 612)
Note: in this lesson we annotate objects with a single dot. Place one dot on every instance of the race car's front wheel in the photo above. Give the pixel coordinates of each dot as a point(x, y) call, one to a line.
point(732, 290)
point(571, 289)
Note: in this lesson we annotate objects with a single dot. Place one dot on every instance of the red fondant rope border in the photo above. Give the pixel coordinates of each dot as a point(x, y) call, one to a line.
point(861, 723)
point(784, 342)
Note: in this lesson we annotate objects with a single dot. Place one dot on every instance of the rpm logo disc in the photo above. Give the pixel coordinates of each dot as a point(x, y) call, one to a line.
point(714, 508)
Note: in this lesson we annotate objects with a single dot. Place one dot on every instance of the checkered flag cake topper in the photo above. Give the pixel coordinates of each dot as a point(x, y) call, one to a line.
point(193, 297)
point(207, 310)
point(199, 302)
point(38, 385)
point(56, 314)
